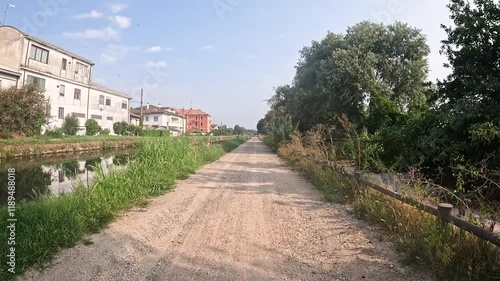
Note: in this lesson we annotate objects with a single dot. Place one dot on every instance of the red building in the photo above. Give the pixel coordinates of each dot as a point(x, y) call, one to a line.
point(196, 120)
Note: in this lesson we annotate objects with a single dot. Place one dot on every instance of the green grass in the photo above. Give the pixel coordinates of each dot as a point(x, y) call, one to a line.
point(449, 253)
point(47, 225)
point(77, 139)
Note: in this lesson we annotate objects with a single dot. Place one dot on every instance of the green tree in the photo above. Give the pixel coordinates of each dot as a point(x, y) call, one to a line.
point(70, 125)
point(22, 111)
point(92, 127)
point(238, 130)
point(261, 126)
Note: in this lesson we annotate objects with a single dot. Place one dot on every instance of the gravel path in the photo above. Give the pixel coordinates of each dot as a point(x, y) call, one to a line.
point(244, 217)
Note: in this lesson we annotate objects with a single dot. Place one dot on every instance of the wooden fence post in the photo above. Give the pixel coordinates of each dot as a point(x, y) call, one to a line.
point(444, 210)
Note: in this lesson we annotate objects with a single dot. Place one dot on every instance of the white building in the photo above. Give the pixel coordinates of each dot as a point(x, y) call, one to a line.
point(65, 78)
point(158, 118)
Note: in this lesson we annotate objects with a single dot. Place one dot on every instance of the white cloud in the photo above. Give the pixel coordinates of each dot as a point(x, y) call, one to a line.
point(208, 47)
point(105, 33)
point(117, 8)
point(92, 15)
point(156, 49)
point(156, 64)
point(121, 21)
point(108, 59)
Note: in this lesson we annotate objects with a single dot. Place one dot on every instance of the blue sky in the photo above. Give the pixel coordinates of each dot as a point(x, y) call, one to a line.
point(224, 56)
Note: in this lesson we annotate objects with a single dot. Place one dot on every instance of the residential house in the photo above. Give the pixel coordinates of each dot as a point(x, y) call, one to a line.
point(158, 118)
point(64, 77)
point(196, 120)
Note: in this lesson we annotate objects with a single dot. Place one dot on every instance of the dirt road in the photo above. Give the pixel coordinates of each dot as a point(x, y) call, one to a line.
point(244, 217)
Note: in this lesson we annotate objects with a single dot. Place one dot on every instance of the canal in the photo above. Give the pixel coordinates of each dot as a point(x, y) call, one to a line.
point(58, 174)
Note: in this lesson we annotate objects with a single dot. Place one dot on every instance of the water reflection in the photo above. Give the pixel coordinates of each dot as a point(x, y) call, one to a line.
point(51, 177)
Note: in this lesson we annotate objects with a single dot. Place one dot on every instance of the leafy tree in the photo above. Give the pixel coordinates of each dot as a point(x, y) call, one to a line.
point(238, 130)
point(93, 128)
point(22, 111)
point(70, 125)
point(121, 128)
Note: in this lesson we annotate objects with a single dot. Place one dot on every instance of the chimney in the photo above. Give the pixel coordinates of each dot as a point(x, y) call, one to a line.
point(147, 106)
point(159, 105)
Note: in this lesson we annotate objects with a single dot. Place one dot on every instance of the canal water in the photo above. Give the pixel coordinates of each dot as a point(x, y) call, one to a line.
point(57, 174)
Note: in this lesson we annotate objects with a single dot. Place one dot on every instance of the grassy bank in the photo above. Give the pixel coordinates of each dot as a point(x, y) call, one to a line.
point(450, 253)
point(71, 144)
point(45, 226)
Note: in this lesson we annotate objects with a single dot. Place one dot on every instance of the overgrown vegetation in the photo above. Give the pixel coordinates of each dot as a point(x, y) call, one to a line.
point(364, 97)
point(450, 253)
point(22, 111)
point(72, 216)
point(375, 77)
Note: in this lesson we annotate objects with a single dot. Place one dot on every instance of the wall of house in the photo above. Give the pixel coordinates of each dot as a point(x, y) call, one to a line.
point(7, 81)
point(54, 65)
point(59, 100)
point(107, 115)
point(12, 48)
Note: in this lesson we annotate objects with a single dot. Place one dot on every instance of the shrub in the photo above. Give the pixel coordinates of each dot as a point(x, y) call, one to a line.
point(23, 111)
point(70, 125)
point(121, 128)
point(5, 133)
point(56, 133)
point(92, 127)
point(135, 130)
point(156, 133)
point(105, 132)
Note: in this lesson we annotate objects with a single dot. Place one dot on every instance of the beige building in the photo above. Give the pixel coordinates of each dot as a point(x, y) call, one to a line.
point(158, 118)
point(65, 78)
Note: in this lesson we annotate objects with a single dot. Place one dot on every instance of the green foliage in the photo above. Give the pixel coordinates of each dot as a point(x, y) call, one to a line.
point(261, 126)
point(279, 129)
point(105, 132)
point(92, 127)
point(121, 128)
point(156, 133)
point(22, 111)
point(135, 130)
point(56, 133)
point(223, 132)
point(70, 125)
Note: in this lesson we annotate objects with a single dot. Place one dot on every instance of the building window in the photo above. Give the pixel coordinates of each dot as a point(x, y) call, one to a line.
point(101, 100)
point(108, 101)
point(39, 54)
point(78, 94)
point(109, 118)
point(63, 64)
point(124, 105)
point(61, 113)
point(38, 82)
point(79, 115)
point(81, 69)
point(156, 118)
point(62, 89)
point(96, 117)
point(147, 118)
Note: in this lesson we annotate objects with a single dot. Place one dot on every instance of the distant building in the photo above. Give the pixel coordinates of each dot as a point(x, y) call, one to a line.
point(196, 120)
point(65, 78)
point(158, 118)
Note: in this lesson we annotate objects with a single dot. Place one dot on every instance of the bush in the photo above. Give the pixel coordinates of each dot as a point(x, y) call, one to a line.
point(135, 130)
point(23, 111)
point(92, 127)
point(156, 133)
point(56, 133)
point(70, 125)
point(105, 132)
point(121, 128)
point(5, 133)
